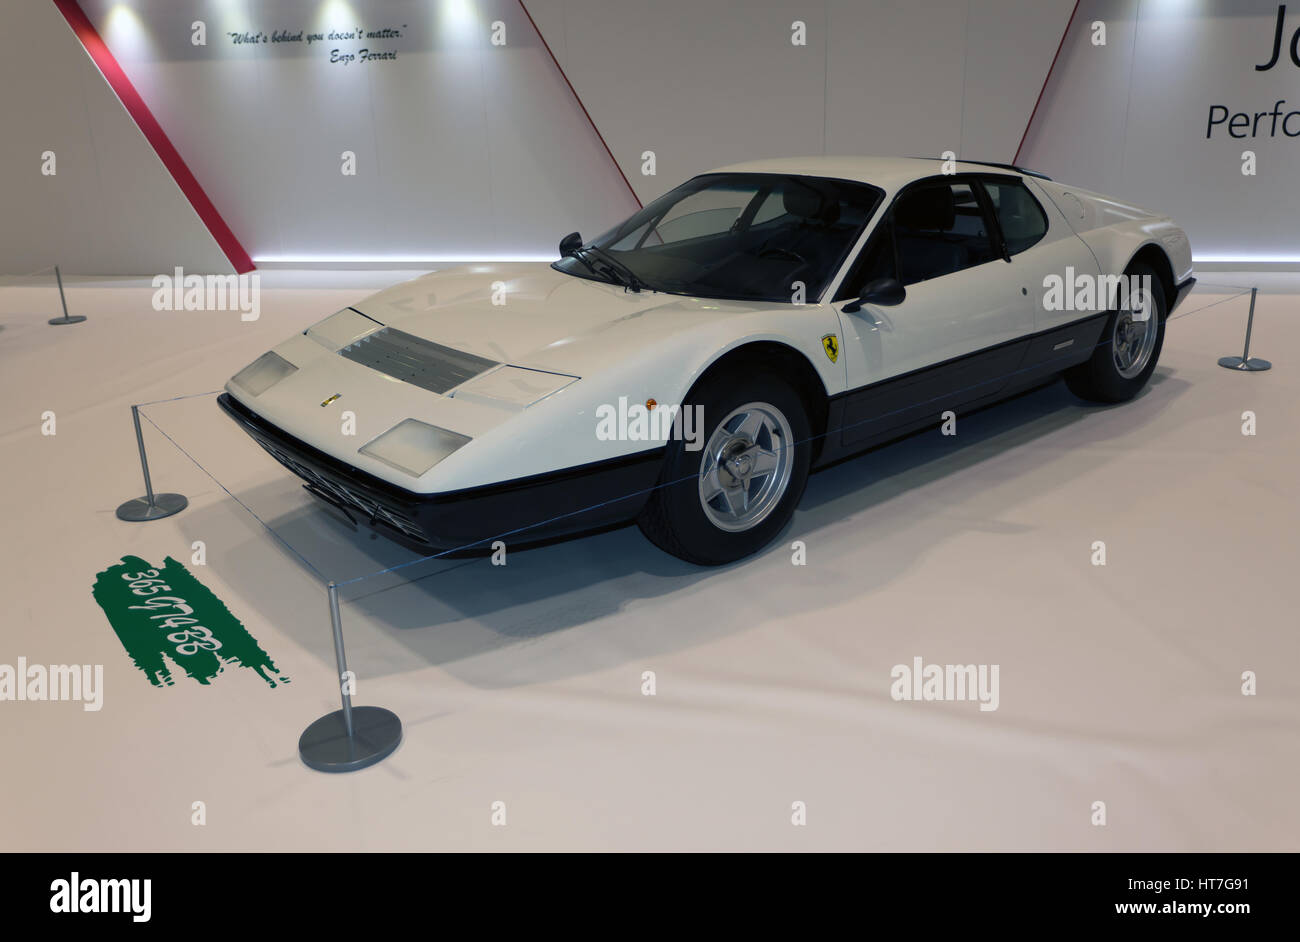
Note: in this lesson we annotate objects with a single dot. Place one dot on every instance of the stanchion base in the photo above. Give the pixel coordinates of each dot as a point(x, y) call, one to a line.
point(1253, 365)
point(325, 747)
point(71, 319)
point(164, 505)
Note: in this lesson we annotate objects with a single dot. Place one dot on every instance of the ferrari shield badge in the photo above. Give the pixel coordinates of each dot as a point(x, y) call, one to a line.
point(831, 344)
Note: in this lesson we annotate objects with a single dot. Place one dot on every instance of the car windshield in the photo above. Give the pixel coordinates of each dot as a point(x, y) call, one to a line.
point(738, 236)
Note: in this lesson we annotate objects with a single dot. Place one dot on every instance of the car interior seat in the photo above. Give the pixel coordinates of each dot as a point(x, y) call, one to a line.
point(922, 219)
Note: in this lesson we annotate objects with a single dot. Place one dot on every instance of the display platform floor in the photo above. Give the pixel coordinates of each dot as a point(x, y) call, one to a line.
point(521, 686)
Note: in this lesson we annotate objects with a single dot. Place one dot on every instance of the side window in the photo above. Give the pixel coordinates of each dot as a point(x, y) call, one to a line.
point(1021, 219)
point(876, 261)
point(940, 228)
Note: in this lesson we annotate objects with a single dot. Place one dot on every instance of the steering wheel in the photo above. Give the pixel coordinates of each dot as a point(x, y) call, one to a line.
point(776, 250)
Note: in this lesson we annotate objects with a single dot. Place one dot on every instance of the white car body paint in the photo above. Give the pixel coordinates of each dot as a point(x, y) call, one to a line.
point(650, 345)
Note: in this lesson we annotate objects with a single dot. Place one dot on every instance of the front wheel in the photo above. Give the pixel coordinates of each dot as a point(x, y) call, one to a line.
point(726, 495)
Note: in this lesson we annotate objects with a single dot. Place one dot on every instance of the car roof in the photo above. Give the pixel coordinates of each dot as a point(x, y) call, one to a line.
point(887, 172)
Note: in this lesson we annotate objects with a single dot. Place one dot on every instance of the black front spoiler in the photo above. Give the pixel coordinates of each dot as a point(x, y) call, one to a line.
point(519, 512)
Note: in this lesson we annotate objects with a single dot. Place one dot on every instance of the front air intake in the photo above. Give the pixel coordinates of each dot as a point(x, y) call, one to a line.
point(415, 360)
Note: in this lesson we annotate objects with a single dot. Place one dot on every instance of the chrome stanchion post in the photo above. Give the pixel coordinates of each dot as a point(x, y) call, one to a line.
point(353, 737)
point(151, 506)
point(66, 318)
point(336, 627)
point(1244, 362)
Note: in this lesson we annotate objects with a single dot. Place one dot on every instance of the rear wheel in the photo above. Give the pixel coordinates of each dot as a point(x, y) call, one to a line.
point(1129, 347)
point(730, 497)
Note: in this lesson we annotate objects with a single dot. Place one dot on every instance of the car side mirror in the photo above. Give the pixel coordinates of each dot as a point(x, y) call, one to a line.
point(886, 292)
point(570, 244)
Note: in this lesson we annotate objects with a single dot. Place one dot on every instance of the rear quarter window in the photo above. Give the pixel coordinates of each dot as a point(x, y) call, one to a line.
point(1021, 219)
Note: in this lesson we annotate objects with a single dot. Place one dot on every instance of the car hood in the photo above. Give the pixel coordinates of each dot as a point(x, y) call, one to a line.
point(543, 318)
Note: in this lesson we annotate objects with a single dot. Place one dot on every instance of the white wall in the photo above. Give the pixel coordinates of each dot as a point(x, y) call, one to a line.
point(704, 83)
point(463, 149)
point(469, 150)
point(1129, 119)
point(111, 206)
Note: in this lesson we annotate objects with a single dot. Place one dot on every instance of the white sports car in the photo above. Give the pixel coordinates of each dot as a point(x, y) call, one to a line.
point(690, 367)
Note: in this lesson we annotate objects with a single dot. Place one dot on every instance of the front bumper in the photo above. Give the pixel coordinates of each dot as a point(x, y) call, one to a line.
point(519, 512)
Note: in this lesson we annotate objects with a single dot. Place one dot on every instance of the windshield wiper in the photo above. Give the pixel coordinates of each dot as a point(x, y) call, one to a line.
point(616, 269)
point(590, 267)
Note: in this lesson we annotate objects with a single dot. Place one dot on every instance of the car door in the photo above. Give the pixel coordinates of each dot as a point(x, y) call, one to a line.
point(962, 327)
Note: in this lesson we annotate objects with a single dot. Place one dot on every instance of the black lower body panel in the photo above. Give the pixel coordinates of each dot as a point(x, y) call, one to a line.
point(861, 419)
point(891, 407)
point(523, 511)
point(1060, 348)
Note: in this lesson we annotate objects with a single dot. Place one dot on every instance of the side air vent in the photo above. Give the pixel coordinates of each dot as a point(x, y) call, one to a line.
point(415, 360)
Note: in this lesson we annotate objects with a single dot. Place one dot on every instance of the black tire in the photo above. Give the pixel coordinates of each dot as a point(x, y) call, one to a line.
point(675, 518)
point(1099, 378)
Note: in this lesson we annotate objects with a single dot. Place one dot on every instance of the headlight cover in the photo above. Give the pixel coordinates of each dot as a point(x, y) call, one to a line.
point(263, 373)
point(338, 330)
point(514, 385)
point(413, 447)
